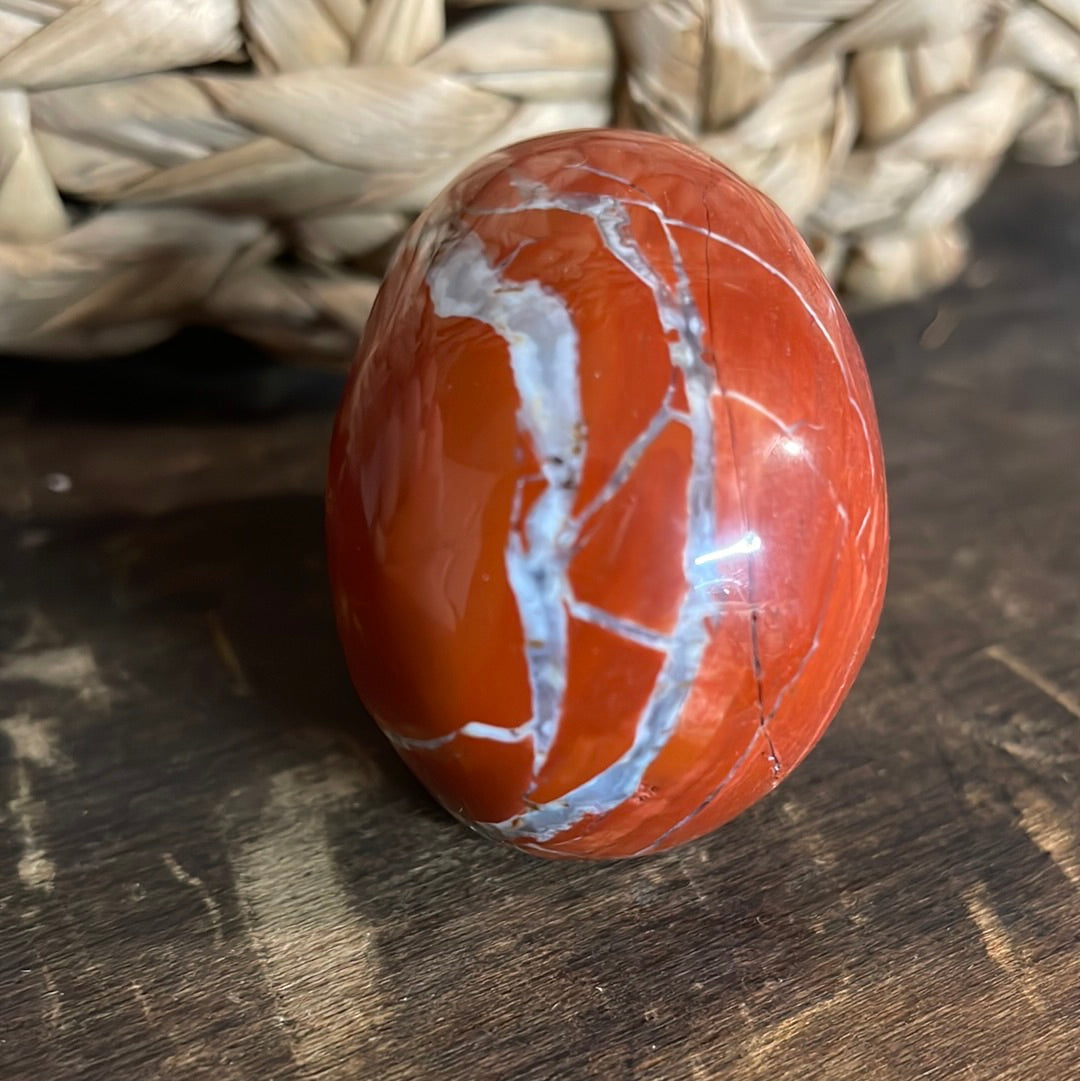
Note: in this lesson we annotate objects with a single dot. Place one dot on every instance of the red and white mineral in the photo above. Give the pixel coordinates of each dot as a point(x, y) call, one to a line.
point(606, 509)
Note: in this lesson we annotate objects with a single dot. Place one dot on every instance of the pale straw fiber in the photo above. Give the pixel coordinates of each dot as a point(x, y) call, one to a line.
point(249, 164)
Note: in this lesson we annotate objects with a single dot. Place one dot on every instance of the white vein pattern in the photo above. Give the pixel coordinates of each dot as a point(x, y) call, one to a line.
point(462, 282)
point(543, 346)
point(669, 223)
point(759, 732)
point(824, 331)
point(675, 223)
point(473, 729)
point(543, 349)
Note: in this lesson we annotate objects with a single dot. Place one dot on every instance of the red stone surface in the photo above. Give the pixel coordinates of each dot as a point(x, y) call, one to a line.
point(606, 507)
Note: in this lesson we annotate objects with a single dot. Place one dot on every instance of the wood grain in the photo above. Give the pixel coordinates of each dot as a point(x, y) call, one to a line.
point(211, 865)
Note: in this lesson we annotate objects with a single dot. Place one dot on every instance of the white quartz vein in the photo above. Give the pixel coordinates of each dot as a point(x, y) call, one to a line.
point(719, 238)
point(685, 645)
point(543, 348)
point(871, 454)
point(472, 729)
point(623, 628)
point(796, 676)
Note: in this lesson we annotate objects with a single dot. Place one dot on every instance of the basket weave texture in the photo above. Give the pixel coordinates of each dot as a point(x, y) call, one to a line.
point(249, 164)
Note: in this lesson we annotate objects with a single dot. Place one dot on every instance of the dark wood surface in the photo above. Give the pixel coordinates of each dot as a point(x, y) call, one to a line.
point(212, 866)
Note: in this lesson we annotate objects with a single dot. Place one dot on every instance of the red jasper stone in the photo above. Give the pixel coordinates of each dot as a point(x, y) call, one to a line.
point(606, 508)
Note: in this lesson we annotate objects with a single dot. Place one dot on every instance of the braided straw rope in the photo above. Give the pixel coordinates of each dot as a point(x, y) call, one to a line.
point(249, 163)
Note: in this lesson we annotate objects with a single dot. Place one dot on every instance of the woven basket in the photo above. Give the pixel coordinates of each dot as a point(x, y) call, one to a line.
point(248, 164)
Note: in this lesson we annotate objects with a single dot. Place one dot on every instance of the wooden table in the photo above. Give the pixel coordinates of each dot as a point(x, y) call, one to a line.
point(212, 866)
